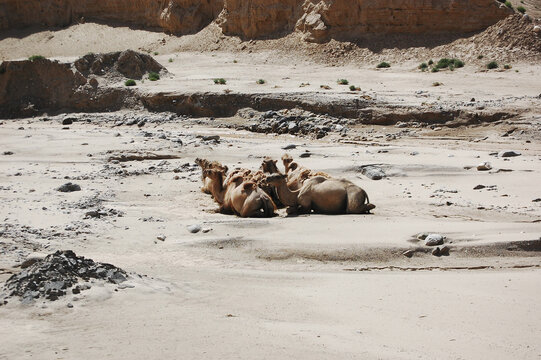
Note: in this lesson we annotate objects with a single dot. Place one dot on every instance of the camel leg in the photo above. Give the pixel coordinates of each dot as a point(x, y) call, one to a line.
point(304, 204)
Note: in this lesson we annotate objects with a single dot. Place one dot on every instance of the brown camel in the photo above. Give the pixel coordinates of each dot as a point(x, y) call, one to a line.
point(297, 175)
point(239, 197)
point(207, 165)
point(322, 195)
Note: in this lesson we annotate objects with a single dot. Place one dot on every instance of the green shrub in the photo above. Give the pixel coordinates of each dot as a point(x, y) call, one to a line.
point(521, 9)
point(342, 82)
point(480, 57)
point(220, 81)
point(130, 82)
point(153, 76)
point(261, 81)
point(507, 66)
point(383, 65)
point(492, 65)
point(235, 61)
point(508, 4)
point(430, 62)
point(156, 53)
point(423, 66)
point(36, 57)
point(449, 63)
point(354, 88)
point(435, 69)
point(170, 60)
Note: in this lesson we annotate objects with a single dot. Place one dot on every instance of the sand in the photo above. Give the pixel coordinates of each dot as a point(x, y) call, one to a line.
point(306, 287)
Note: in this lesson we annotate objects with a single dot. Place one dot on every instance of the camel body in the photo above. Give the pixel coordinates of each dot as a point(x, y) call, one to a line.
point(240, 197)
point(323, 195)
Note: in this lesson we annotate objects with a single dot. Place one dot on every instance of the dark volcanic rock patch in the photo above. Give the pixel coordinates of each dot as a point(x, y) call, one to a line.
point(53, 276)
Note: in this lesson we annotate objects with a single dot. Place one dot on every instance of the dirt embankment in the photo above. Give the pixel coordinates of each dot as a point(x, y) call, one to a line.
point(31, 87)
point(317, 20)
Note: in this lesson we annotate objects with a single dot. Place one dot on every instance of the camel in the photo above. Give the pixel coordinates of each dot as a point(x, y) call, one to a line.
point(240, 197)
point(297, 175)
point(322, 195)
point(206, 165)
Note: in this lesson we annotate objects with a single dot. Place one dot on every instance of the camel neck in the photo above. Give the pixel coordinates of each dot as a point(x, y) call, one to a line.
point(217, 189)
point(287, 197)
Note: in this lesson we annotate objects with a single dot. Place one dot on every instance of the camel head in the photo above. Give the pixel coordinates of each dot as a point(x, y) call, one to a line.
point(275, 179)
point(207, 165)
point(269, 166)
point(214, 174)
point(286, 159)
point(293, 166)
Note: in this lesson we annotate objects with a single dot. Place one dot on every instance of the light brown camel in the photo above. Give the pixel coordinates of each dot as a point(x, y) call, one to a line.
point(207, 165)
point(297, 175)
point(240, 197)
point(322, 195)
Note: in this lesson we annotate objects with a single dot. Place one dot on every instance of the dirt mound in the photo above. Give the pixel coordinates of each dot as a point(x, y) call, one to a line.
point(29, 87)
point(128, 64)
point(51, 277)
point(514, 32)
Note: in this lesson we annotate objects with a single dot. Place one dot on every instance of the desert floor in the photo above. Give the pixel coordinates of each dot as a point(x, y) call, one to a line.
point(305, 287)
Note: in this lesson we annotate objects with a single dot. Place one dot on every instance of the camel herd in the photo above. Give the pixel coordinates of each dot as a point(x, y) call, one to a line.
point(248, 193)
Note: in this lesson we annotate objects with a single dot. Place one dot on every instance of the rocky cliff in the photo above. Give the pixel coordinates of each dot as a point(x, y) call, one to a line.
point(317, 20)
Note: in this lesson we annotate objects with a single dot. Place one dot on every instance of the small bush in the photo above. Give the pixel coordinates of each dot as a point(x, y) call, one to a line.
point(326, 87)
point(383, 65)
point(521, 9)
point(507, 66)
point(170, 60)
point(430, 62)
point(354, 88)
point(342, 82)
point(480, 57)
point(437, 83)
point(423, 66)
point(449, 63)
point(492, 65)
point(508, 4)
point(435, 69)
point(153, 76)
point(235, 61)
point(220, 81)
point(261, 81)
point(36, 57)
point(156, 53)
point(130, 82)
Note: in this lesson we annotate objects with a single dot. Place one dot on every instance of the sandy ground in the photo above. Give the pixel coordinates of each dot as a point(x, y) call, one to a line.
point(306, 287)
point(280, 287)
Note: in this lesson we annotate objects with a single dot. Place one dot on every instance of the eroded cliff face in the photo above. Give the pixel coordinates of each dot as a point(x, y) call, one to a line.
point(317, 20)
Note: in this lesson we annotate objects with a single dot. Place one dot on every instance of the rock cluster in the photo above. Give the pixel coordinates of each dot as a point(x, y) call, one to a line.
point(296, 122)
point(51, 277)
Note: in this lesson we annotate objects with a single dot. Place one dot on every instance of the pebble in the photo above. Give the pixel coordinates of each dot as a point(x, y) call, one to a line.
point(161, 237)
point(194, 229)
point(479, 187)
point(373, 172)
point(508, 153)
point(408, 253)
point(69, 187)
point(537, 29)
point(422, 236)
point(436, 252)
point(434, 239)
point(444, 251)
point(484, 166)
point(289, 147)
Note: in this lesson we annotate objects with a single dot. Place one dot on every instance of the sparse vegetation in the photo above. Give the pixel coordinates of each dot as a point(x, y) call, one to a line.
point(435, 69)
point(235, 61)
point(437, 83)
point(153, 76)
point(383, 65)
point(354, 88)
point(304, 84)
point(480, 57)
point(450, 64)
point(508, 4)
point(227, 91)
point(326, 87)
point(220, 81)
point(423, 66)
point(342, 82)
point(521, 9)
point(156, 53)
point(430, 62)
point(170, 60)
point(492, 65)
point(130, 82)
point(507, 67)
point(36, 57)
point(261, 81)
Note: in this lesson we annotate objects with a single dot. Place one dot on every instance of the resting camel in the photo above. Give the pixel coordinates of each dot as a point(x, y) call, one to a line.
point(297, 175)
point(243, 198)
point(206, 165)
point(322, 195)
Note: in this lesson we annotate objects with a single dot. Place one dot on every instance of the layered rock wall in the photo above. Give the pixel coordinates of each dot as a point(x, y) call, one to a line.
point(318, 20)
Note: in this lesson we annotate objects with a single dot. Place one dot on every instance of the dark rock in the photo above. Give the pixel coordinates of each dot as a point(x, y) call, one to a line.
point(8, 152)
point(289, 147)
point(68, 120)
point(444, 251)
point(436, 252)
point(305, 155)
point(69, 187)
point(536, 200)
point(508, 153)
point(211, 138)
point(373, 172)
point(479, 187)
point(408, 253)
